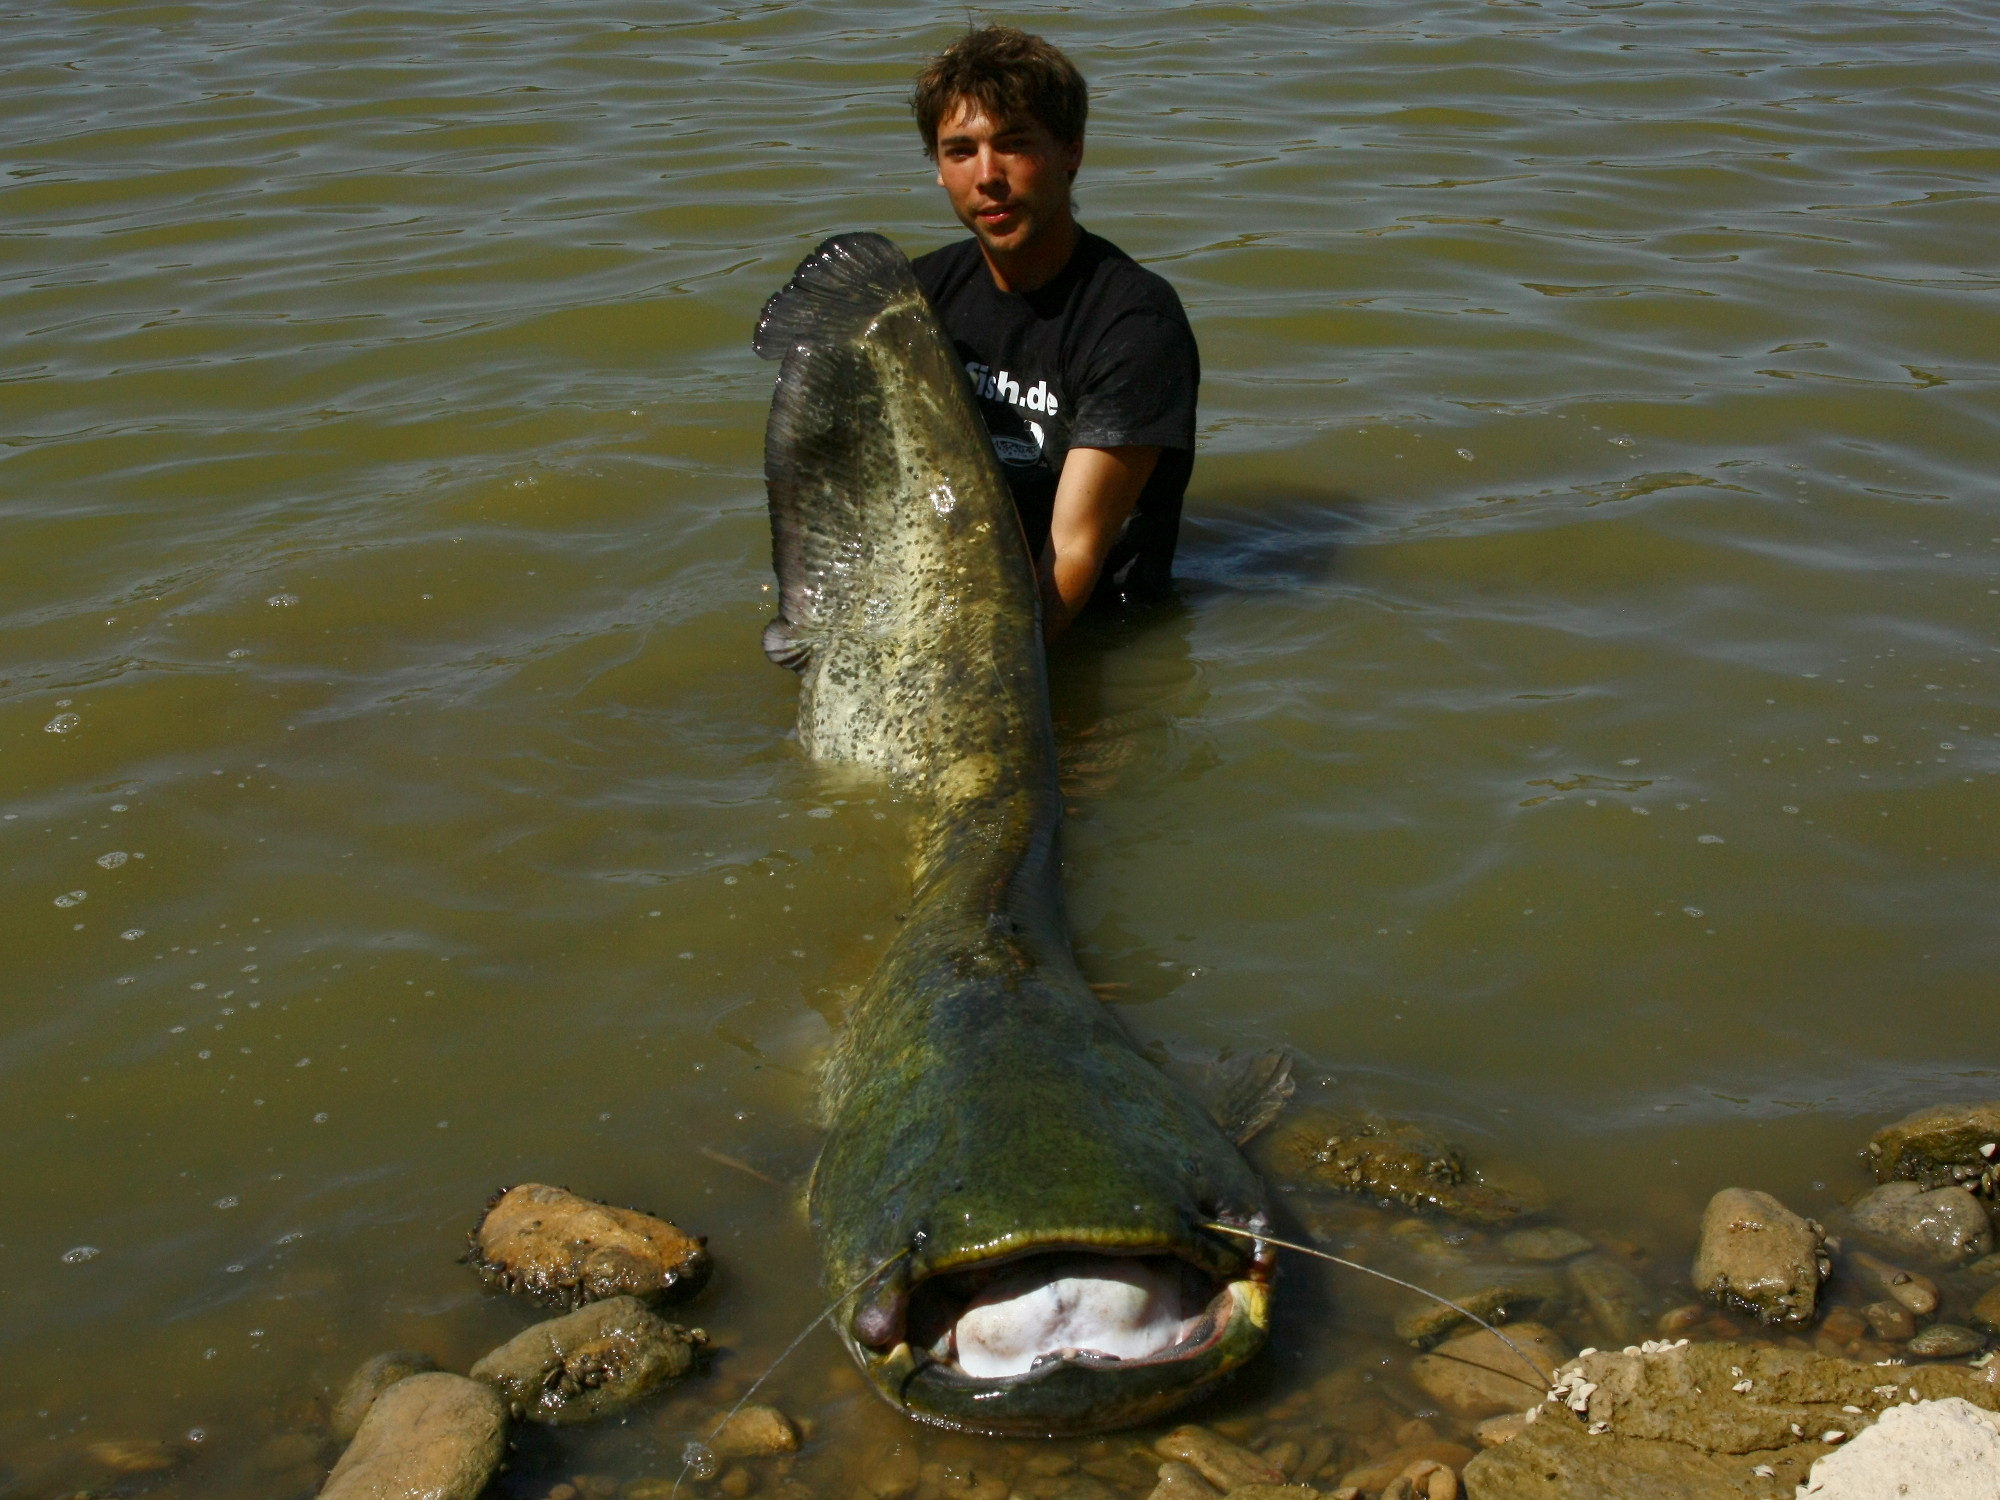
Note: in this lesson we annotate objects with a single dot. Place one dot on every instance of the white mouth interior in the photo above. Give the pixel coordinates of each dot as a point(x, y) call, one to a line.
point(1079, 1304)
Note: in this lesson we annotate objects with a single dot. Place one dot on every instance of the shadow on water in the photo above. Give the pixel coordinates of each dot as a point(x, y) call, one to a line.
point(1262, 538)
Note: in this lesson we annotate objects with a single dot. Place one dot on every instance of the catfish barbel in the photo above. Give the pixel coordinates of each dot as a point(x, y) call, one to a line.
point(1037, 1186)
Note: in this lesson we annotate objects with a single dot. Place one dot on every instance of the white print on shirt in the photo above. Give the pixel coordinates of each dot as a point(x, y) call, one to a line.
point(1003, 387)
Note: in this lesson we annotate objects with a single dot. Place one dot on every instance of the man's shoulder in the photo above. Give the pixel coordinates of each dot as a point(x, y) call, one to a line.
point(946, 266)
point(1120, 284)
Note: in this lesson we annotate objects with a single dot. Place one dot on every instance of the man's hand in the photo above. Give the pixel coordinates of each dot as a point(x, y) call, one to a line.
point(1096, 495)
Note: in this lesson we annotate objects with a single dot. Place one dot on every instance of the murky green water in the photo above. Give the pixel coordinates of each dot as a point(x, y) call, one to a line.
point(1579, 728)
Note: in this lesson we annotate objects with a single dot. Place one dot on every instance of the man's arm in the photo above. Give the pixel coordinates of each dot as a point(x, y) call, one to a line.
point(1097, 493)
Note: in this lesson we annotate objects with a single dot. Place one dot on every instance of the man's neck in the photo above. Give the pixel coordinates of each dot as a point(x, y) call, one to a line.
point(1034, 265)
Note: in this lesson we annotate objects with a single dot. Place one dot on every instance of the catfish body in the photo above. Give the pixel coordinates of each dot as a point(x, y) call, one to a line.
point(986, 1117)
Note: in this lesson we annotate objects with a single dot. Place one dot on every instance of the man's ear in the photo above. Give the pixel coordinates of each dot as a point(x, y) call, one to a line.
point(1073, 158)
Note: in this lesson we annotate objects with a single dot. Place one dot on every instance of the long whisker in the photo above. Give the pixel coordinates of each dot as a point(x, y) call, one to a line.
point(694, 1452)
point(1542, 1377)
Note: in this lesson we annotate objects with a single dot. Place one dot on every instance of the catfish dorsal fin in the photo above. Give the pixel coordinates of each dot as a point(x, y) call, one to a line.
point(837, 291)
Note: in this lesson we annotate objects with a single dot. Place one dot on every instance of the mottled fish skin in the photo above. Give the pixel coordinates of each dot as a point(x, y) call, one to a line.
point(980, 1103)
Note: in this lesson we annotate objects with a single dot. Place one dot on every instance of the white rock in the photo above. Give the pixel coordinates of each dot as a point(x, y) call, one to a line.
point(1928, 1448)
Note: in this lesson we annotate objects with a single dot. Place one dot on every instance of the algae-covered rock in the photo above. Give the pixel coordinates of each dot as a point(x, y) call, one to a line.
point(374, 1377)
point(432, 1435)
point(1938, 1147)
point(590, 1363)
point(1477, 1375)
point(1757, 1255)
point(1696, 1422)
point(1397, 1161)
point(1945, 1226)
point(549, 1244)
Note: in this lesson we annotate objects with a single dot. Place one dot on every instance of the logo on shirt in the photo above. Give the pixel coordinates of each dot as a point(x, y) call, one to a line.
point(1001, 386)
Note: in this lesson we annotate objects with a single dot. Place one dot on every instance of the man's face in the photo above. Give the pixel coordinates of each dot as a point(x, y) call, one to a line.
point(1008, 180)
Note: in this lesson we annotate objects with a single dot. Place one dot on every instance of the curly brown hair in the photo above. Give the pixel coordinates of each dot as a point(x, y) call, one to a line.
point(1010, 75)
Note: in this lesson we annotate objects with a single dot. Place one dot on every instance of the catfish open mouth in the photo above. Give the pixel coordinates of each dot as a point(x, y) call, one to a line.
point(1062, 1340)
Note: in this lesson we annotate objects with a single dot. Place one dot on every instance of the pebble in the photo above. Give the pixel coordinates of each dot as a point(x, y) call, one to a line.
point(1946, 1341)
point(1179, 1481)
point(1757, 1255)
point(1986, 1311)
point(1274, 1492)
point(1226, 1465)
point(1378, 1474)
point(1945, 1225)
point(895, 1474)
point(374, 1377)
point(549, 1244)
point(435, 1435)
point(1548, 1243)
point(756, 1432)
point(1987, 1265)
point(1504, 1428)
point(1475, 1375)
point(1918, 1293)
point(590, 1363)
point(1891, 1321)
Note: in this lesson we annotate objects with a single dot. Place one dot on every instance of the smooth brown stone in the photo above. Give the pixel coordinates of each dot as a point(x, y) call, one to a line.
point(548, 1243)
point(1475, 1375)
point(1226, 1465)
point(756, 1432)
point(1760, 1257)
point(434, 1435)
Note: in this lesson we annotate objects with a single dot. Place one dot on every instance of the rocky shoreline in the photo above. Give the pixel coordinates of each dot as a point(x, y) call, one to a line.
point(1797, 1358)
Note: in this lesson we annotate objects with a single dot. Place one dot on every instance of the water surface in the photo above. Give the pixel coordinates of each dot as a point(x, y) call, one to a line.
point(1578, 728)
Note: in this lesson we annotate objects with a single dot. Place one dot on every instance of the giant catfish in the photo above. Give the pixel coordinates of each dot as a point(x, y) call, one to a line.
point(1037, 1188)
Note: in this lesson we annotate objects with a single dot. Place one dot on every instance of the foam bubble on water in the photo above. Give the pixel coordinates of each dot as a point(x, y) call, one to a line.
point(239, 653)
point(282, 601)
point(114, 859)
point(72, 898)
point(61, 724)
point(229, 1202)
point(1709, 838)
point(80, 1254)
point(819, 812)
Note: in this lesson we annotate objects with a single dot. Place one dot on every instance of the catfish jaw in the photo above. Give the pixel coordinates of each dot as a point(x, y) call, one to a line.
point(1004, 1119)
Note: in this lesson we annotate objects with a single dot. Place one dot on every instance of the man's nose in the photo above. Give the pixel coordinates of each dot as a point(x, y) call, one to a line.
point(990, 173)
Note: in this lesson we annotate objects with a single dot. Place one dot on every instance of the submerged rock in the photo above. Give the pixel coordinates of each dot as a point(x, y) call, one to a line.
point(1476, 1375)
point(433, 1435)
point(1179, 1481)
point(1226, 1465)
point(1499, 1300)
point(1942, 1146)
point(1943, 1448)
point(1397, 1161)
point(756, 1432)
point(374, 1377)
point(590, 1363)
point(1546, 1243)
point(1618, 1300)
point(1877, 1277)
point(1946, 1341)
point(1986, 1311)
point(549, 1244)
point(1944, 1225)
point(137, 1455)
point(1757, 1255)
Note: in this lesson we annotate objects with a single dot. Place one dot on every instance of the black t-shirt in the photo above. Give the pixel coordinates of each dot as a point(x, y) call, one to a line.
point(1100, 357)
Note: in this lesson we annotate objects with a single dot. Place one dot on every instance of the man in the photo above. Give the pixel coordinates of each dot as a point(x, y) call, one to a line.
point(1084, 363)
